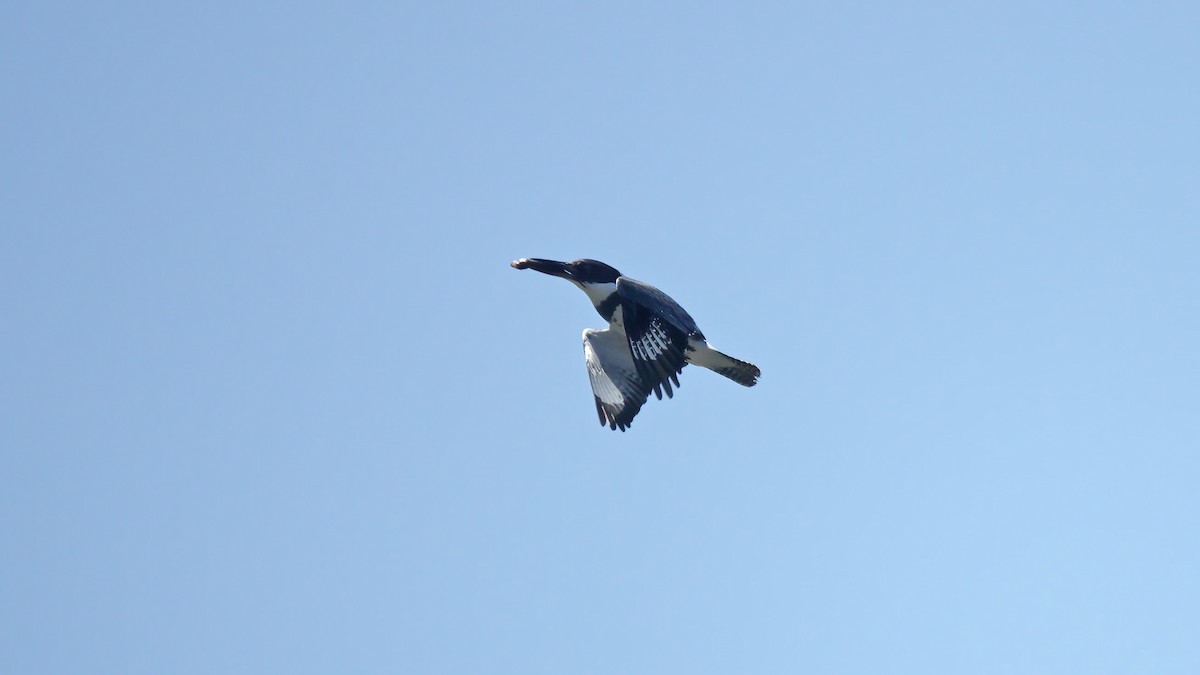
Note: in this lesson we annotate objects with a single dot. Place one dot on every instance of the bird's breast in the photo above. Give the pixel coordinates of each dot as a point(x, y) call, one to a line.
point(618, 319)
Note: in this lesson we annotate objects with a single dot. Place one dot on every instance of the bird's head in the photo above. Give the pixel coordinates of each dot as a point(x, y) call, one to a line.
point(582, 271)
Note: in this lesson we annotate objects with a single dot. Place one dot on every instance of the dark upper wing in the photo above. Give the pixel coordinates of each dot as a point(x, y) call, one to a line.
point(667, 309)
point(658, 331)
point(616, 383)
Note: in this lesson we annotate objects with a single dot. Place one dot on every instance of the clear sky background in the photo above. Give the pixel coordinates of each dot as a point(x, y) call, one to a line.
point(275, 402)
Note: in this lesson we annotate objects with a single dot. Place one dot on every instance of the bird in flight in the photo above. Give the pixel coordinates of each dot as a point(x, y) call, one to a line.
point(649, 340)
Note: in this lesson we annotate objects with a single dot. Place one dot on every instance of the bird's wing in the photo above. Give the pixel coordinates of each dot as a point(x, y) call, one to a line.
point(658, 331)
point(616, 384)
point(664, 306)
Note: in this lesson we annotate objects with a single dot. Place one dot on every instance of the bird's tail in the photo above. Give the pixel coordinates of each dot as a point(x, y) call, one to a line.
point(745, 374)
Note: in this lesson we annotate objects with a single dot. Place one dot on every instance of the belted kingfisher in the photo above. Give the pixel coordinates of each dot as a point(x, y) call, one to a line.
point(649, 340)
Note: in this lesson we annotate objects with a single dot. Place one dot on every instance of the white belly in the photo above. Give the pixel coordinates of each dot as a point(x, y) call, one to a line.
point(618, 319)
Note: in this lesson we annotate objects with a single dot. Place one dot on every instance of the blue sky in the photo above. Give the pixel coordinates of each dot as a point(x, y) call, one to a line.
point(276, 403)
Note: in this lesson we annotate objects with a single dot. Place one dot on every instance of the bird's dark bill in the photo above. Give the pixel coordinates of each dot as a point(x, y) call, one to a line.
point(551, 267)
